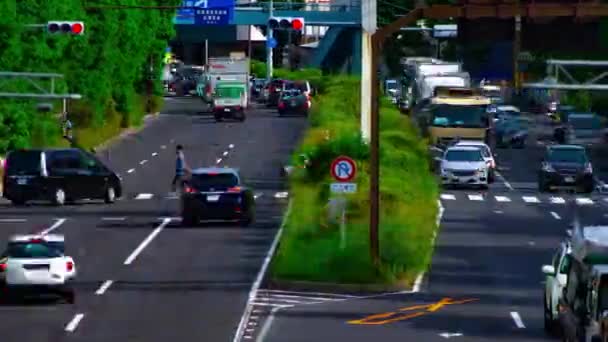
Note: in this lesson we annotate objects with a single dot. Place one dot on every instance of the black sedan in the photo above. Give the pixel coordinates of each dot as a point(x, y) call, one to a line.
point(511, 132)
point(566, 166)
point(216, 194)
point(293, 101)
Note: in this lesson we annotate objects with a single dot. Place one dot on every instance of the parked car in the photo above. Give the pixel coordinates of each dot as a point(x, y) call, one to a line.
point(58, 175)
point(293, 101)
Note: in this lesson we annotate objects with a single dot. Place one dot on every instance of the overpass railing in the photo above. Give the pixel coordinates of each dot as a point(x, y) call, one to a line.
point(344, 6)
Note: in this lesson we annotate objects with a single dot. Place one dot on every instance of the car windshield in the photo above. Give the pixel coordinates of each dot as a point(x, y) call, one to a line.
point(30, 250)
point(218, 181)
point(585, 123)
point(464, 155)
point(23, 163)
point(459, 116)
point(563, 155)
point(291, 92)
point(228, 92)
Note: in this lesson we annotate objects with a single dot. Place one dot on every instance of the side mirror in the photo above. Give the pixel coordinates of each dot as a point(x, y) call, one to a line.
point(548, 270)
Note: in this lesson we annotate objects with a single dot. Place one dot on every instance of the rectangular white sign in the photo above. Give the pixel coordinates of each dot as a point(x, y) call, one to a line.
point(341, 188)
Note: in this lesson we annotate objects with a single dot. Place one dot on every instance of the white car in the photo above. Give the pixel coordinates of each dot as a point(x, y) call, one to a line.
point(37, 264)
point(556, 277)
point(486, 151)
point(464, 165)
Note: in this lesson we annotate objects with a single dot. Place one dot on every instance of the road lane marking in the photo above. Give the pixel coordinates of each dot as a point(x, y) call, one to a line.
point(143, 162)
point(219, 160)
point(12, 220)
point(504, 180)
point(258, 281)
point(449, 197)
point(231, 146)
point(113, 218)
point(144, 196)
point(55, 225)
point(104, 287)
point(408, 312)
point(557, 200)
point(502, 199)
point(475, 197)
point(70, 327)
point(530, 199)
point(584, 201)
point(162, 147)
point(130, 170)
point(154, 154)
point(307, 293)
point(225, 153)
point(555, 215)
point(147, 241)
point(281, 194)
point(258, 195)
point(517, 319)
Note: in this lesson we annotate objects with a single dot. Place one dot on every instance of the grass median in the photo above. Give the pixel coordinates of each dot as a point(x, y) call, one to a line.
point(311, 248)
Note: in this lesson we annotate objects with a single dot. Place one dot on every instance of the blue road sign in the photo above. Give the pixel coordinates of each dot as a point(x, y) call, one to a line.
point(205, 12)
point(271, 43)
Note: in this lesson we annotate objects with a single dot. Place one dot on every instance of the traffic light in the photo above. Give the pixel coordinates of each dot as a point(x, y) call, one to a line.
point(286, 23)
point(65, 27)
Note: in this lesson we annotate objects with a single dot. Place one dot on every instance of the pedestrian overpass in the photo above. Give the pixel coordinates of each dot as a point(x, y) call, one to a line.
point(341, 44)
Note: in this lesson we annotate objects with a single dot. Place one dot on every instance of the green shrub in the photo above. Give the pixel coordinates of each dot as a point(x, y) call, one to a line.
point(310, 247)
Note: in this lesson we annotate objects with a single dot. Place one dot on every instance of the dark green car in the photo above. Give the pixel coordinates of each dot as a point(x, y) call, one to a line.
point(293, 101)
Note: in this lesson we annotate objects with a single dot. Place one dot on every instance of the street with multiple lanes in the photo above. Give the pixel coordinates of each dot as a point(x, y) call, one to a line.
point(485, 281)
point(142, 275)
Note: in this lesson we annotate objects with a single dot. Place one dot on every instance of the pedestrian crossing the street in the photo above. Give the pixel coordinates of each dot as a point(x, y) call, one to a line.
point(529, 199)
point(287, 299)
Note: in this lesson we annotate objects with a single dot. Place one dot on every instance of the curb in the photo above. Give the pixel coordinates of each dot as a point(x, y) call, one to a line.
point(311, 286)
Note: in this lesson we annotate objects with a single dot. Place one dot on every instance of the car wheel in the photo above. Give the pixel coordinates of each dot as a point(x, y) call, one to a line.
point(58, 197)
point(542, 186)
point(189, 220)
point(588, 189)
point(110, 195)
point(218, 118)
point(247, 221)
point(241, 116)
point(18, 202)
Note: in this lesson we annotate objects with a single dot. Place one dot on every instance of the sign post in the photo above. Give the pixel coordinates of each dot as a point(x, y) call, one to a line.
point(205, 12)
point(343, 169)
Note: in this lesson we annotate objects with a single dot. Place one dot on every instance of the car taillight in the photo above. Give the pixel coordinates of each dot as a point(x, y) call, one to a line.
point(307, 104)
point(237, 209)
point(218, 107)
point(189, 189)
point(234, 189)
point(2, 267)
point(238, 107)
point(281, 105)
point(69, 266)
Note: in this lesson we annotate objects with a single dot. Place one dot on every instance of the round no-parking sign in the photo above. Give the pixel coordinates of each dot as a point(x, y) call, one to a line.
point(343, 169)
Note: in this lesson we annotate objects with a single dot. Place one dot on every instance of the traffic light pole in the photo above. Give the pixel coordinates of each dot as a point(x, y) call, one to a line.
point(269, 50)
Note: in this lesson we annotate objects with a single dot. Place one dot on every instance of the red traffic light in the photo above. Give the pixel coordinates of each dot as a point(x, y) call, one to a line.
point(77, 28)
point(297, 24)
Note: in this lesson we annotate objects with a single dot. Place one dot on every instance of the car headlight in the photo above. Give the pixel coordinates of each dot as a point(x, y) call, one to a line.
point(548, 168)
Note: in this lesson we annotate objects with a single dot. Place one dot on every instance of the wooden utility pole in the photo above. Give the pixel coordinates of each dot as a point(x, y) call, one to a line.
point(516, 48)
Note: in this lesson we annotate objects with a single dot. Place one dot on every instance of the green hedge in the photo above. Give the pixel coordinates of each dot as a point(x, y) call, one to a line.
point(108, 65)
point(309, 249)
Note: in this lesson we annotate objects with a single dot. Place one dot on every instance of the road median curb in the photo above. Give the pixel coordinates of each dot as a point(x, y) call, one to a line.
point(313, 286)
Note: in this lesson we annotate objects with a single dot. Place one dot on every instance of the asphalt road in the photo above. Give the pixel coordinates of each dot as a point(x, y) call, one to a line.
point(142, 275)
point(485, 281)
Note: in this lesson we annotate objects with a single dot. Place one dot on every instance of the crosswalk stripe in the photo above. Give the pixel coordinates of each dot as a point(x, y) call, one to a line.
point(584, 201)
point(476, 197)
point(144, 196)
point(557, 200)
point(502, 199)
point(530, 199)
point(448, 197)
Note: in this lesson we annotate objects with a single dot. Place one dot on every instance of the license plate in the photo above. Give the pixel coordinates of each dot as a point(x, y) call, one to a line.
point(293, 103)
point(213, 198)
point(569, 180)
point(226, 110)
point(22, 181)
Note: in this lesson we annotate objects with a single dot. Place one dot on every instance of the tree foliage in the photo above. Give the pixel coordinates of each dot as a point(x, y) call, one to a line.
point(108, 65)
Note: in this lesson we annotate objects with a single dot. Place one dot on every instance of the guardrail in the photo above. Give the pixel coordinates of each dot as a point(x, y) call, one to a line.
point(347, 6)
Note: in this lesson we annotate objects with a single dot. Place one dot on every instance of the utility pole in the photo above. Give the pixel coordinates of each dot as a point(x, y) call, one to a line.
point(369, 26)
point(269, 51)
point(517, 48)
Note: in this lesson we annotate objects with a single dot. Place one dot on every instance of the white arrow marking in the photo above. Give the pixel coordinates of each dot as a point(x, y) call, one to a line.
point(448, 335)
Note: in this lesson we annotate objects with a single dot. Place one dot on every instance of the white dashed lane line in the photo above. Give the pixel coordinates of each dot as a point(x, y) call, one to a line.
point(143, 162)
point(73, 324)
point(104, 287)
point(219, 160)
point(231, 146)
point(225, 153)
point(154, 154)
point(144, 196)
point(130, 170)
point(12, 220)
point(555, 215)
point(517, 319)
point(147, 241)
point(55, 225)
point(162, 147)
point(113, 218)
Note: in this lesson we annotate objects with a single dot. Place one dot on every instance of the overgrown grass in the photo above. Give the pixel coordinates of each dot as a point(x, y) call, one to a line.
point(310, 247)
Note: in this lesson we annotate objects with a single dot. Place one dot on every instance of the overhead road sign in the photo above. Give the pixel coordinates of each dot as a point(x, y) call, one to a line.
point(205, 12)
point(343, 169)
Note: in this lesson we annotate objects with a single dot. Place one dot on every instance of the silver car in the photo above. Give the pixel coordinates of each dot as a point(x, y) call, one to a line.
point(464, 165)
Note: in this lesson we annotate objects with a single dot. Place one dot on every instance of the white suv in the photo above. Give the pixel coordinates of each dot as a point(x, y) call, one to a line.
point(556, 277)
point(35, 264)
point(464, 165)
